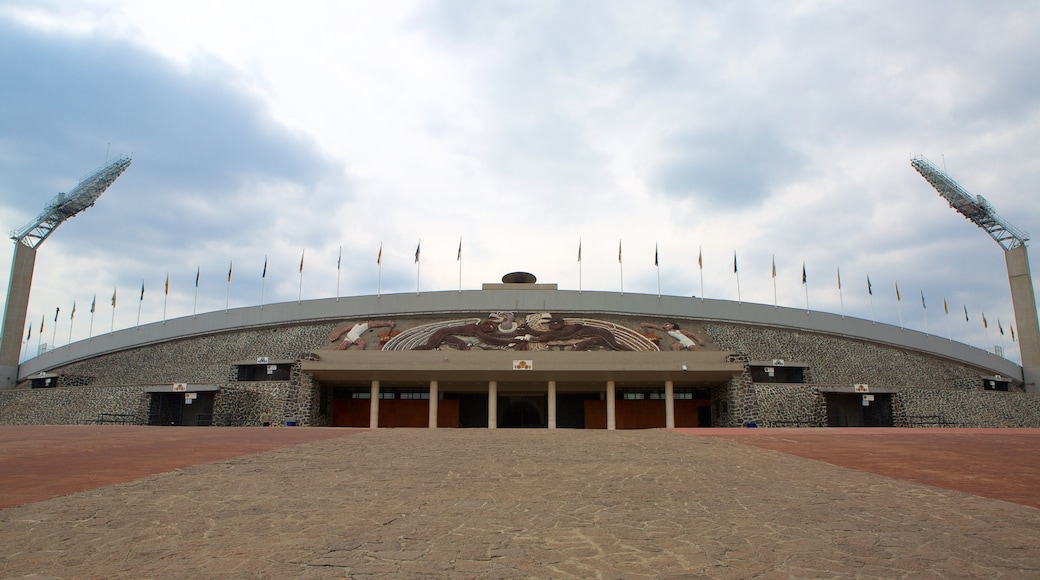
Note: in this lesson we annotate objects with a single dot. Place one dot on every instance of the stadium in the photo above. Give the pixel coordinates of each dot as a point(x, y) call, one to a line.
point(520, 354)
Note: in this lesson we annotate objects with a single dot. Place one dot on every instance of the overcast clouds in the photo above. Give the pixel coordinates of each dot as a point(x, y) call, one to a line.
point(752, 127)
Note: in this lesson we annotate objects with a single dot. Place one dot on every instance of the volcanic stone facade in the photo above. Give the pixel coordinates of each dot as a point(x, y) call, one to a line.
point(919, 385)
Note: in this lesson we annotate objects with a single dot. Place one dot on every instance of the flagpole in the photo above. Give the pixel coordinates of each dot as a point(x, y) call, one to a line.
point(621, 267)
point(227, 302)
point(736, 272)
point(379, 262)
point(899, 306)
point(113, 327)
point(54, 332)
point(195, 308)
point(339, 262)
point(700, 266)
point(25, 351)
point(418, 265)
point(805, 283)
point(985, 331)
point(924, 312)
point(166, 297)
point(72, 319)
point(459, 259)
point(90, 329)
point(299, 299)
point(841, 298)
point(39, 338)
point(775, 303)
point(870, 291)
point(140, 303)
point(263, 283)
point(967, 323)
point(658, 265)
point(946, 313)
point(579, 265)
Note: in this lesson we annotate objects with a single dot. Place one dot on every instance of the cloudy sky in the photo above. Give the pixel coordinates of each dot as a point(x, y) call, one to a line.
point(757, 128)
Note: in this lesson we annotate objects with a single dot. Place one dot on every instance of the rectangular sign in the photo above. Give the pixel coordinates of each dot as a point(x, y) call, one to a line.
point(861, 388)
point(180, 387)
point(262, 360)
point(523, 365)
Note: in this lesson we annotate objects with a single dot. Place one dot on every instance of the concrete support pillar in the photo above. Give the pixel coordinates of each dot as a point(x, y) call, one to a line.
point(669, 405)
point(373, 416)
point(1023, 299)
point(17, 305)
point(492, 404)
point(611, 416)
point(433, 405)
point(552, 404)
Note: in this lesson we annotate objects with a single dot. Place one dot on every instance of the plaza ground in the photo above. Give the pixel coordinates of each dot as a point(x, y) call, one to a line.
point(125, 501)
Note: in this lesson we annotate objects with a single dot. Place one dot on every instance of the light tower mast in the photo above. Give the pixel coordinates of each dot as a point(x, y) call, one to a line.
point(1013, 241)
point(26, 241)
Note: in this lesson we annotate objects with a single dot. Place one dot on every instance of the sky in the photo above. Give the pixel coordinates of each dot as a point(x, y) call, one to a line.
point(731, 131)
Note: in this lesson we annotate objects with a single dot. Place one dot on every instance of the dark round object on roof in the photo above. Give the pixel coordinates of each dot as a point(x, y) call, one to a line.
point(519, 278)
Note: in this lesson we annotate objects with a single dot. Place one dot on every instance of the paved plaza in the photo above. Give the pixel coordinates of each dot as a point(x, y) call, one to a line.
point(334, 503)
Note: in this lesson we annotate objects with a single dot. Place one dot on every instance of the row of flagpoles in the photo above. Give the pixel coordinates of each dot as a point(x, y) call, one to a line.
point(379, 262)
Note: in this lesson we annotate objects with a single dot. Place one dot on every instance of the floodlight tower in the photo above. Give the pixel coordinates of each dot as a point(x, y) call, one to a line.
point(1013, 240)
point(26, 241)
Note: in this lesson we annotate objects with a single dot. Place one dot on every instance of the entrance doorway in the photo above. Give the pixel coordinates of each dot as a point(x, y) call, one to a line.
point(527, 411)
point(853, 410)
point(174, 409)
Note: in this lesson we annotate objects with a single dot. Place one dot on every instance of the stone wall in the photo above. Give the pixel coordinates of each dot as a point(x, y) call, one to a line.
point(837, 360)
point(70, 405)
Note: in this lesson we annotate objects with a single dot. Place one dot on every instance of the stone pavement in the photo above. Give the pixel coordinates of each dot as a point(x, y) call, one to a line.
point(519, 504)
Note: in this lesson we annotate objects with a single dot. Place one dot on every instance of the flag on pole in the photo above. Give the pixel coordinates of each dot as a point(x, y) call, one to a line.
point(339, 260)
point(734, 262)
point(28, 336)
point(56, 311)
point(946, 309)
point(839, 278)
point(264, 273)
point(418, 247)
point(379, 257)
point(301, 260)
point(142, 289)
point(579, 249)
point(458, 257)
point(898, 299)
point(619, 251)
point(167, 291)
point(1012, 333)
point(42, 320)
point(923, 305)
point(700, 258)
point(1000, 327)
point(230, 264)
point(805, 279)
point(966, 313)
point(93, 303)
point(198, 270)
point(113, 297)
point(655, 255)
point(984, 323)
point(774, 267)
point(870, 287)
point(72, 314)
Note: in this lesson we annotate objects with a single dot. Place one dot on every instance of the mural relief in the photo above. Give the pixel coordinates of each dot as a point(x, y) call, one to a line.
point(353, 333)
point(538, 331)
point(684, 339)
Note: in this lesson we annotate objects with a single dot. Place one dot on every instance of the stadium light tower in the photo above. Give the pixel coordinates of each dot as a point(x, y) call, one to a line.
point(26, 241)
point(1013, 240)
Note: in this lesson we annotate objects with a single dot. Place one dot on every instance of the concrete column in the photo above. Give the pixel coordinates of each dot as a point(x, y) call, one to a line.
point(552, 404)
point(17, 305)
point(492, 404)
point(433, 405)
point(373, 416)
point(1023, 300)
point(611, 417)
point(669, 405)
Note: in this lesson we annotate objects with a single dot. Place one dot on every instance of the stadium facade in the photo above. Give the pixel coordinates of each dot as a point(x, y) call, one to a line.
point(521, 355)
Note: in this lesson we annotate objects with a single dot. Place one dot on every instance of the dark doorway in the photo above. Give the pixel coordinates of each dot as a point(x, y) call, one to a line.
point(527, 412)
point(473, 408)
point(570, 409)
point(849, 410)
point(174, 409)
